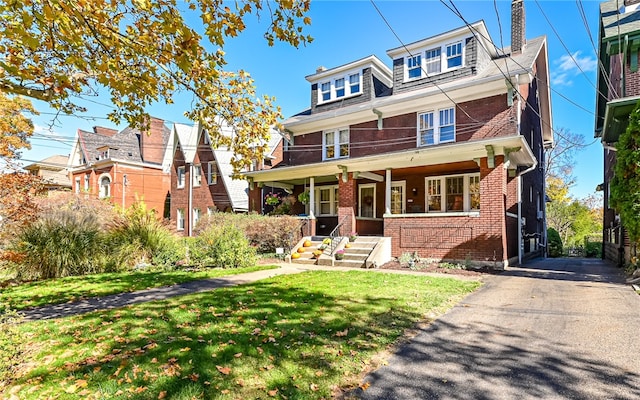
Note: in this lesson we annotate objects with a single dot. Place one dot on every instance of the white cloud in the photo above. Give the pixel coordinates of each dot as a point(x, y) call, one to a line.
point(561, 79)
point(574, 63)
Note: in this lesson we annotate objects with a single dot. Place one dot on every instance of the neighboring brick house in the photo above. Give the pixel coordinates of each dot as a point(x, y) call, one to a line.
point(618, 93)
point(123, 167)
point(53, 171)
point(444, 153)
point(201, 177)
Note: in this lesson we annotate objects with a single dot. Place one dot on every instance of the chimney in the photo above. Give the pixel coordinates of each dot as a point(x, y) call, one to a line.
point(320, 69)
point(152, 142)
point(518, 39)
point(101, 130)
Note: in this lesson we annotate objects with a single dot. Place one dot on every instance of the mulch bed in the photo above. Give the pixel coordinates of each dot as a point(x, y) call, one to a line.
point(435, 267)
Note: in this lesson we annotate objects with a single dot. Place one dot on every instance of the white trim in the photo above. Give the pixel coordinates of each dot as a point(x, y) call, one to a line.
point(442, 179)
point(444, 63)
point(180, 183)
point(346, 87)
point(360, 201)
point(180, 219)
point(212, 173)
point(336, 143)
point(197, 175)
point(101, 195)
point(333, 209)
point(436, 126)
point(403, 192)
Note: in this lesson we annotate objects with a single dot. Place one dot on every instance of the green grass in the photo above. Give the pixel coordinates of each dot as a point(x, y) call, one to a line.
point(290, 337)
point(62, 290)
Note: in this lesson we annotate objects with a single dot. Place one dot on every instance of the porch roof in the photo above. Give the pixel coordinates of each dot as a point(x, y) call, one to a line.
point(515, 148)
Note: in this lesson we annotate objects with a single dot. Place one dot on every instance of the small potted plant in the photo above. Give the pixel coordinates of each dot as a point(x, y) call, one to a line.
point(304, 197)
point(272, 199)
point(353, 236)
point(339, 255)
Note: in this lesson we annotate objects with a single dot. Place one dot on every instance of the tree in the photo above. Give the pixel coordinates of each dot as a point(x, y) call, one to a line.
point(15, 127)
point(143, 51)
point(625, 185)
point(560, 159)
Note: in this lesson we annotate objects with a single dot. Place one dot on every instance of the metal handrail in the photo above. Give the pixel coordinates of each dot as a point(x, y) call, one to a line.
point(335, 234)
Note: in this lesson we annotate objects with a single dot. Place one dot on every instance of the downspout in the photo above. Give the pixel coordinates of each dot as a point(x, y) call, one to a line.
point(190, 202)
point(519, 177)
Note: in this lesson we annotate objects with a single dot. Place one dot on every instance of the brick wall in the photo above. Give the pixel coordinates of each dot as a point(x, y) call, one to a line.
point(152, 142)
point(346, 202)
point(632, 79)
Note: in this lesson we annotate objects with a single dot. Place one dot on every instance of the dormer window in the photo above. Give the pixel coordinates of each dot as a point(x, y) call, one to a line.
point(414, 67)
point(103, 153)
point(340, 87)
point(429, 62)
point(433, 61)
point(454, 55)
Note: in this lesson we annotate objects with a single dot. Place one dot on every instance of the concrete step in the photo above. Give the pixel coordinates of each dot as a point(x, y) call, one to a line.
point(349, 263)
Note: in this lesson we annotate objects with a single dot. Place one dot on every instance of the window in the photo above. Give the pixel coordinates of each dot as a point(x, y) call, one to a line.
point(367, 201)
point(77, 185)
point(432, 61)
point(180, 219)
point(454, 55)
point(434, 128)
point(105, 187)
point(197, 175)
point(339, 87)
point(336, 144)
point(86, 183)
point(327, 200)
point(414, 67)
point(196, 216)
point(212, 174)
point(454, 193)
point(354, 83)
point(181, 172)
point(205, 137)
point(104, 154)
point(211, 210)
point(326, 91)
point(398, 190)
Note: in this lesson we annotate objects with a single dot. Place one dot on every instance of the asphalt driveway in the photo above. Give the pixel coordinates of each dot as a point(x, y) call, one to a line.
point(554, 329)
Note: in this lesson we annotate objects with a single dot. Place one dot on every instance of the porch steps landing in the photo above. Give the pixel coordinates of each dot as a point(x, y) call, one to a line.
point(355, 256)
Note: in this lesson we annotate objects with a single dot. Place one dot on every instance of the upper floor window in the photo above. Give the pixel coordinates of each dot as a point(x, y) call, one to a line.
point(212, 175)
point(436, 127)
point(104, 154)
point(454, 55)
point(197, 175)
point(433, 63)
point(340, 87)
point(181, 174)
point(455, 193)
point(335, 144)
point(414, 67)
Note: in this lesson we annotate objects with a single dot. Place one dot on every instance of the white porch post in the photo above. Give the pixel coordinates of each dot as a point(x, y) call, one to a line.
point(387, 193)
point(312, 197)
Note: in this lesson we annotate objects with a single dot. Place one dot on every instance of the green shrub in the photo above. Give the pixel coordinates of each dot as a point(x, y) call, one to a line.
point(11, 343)
point(593, 249)
point(223, 247)
point(554, 243)
point(62, 243)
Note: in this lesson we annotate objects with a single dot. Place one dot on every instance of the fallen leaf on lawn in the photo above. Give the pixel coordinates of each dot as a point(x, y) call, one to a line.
point(162, 394)
point(237, 355)
point(81, 383)
point(194, 377)
point(313, 387)
point(223, 370)
point(342, 333)
point(273, 392)
point(365, 386)
point(240, 382)
point(225, 391)
point(185, 349)
point(71, 389)
point(319, 373)
point(260, 351)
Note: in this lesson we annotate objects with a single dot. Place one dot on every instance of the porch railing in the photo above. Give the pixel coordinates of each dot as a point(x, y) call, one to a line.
point(336, 235)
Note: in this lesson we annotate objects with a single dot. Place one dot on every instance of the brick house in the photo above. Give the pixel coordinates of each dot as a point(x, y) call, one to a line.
point(443, 153)
point(122, 166)
point(53, 171)
point(201, 177)
point(617, 95)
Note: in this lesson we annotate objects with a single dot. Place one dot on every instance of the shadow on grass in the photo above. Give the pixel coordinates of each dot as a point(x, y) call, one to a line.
point(283, 335)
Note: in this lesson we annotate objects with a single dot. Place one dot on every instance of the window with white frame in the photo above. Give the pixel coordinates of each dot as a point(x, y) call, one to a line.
point(105, 187)
point(436, 127)
point(414, 66)
point(181, 177)
point(197, 175)
point(454, 55)
point(398, 194)
point(367, 201)
point(86, 183)
point(335, 144)
point(77, 185)
point(212, 173)
point(433, 61)
point(326, 200)
point(180, 219)
point(196, 216)
point(349, 84)
point(454, 193)
point(211, 210)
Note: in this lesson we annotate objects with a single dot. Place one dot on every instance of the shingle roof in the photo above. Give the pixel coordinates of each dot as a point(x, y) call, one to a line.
point(53, 170)
point(614, 23)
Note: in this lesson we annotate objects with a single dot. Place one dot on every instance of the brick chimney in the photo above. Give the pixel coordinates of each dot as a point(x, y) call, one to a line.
point(101, 130)
point(518, 39)
point(152, 142)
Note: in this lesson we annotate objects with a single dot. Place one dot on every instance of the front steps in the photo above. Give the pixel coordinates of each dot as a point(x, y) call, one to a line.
point(356, 253)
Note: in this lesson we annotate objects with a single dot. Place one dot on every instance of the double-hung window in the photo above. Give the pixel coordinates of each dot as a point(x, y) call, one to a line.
point(455, 193)
point(325, 89)
point(77, 185)
point(86, 183)
point(212, 175)
point(335, 144)
point(454, 55)
point(181, 177)
point(414, 66)
point(180, 219)
point(339, 87)
point(354, 83)
point(432, 61)
point(196, 216)
point(197, 175)
point(326, 200)
point(436, 127)
point(398, 190)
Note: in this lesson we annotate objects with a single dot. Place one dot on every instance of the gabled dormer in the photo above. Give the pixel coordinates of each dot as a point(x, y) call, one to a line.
point(449, 56)
point(353, 83)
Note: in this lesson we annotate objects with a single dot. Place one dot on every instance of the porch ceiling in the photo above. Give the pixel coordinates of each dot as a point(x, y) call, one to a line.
point(515, 147)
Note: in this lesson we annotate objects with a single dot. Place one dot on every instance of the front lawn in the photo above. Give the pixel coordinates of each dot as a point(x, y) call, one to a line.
point(290, 337)
point(62, 290)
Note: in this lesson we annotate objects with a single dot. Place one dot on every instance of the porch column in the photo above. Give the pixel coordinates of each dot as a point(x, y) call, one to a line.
point(347, 204)
point(312, 197)
point(387, 193)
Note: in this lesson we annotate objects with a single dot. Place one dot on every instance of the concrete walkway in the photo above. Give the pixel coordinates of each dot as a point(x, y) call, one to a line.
point(554, 329)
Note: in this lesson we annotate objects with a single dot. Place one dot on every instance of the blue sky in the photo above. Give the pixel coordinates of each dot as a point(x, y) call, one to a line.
point(346, 31)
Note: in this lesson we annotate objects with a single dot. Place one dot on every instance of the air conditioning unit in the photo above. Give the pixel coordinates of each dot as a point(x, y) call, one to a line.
point(540, 215)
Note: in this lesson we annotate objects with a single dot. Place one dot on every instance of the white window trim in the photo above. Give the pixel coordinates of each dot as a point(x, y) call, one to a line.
point(212, 173)
point(180, 219)
point(466, 203)
point(333, 209)
point(196, 216)
point(181, 182)
point(100, 178)
point(403, 186)
point(77, 185)
point(422, 52)
point(436, 127)
point(366, 186)
point(197, 175)
point(347, 86)
point(336, 143)
point(87, 182)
